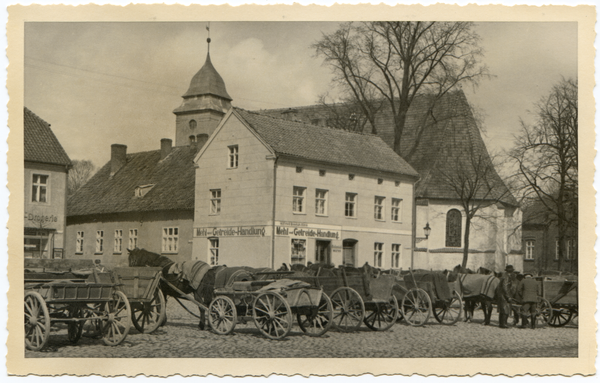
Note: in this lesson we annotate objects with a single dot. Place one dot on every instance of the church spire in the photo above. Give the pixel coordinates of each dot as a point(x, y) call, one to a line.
point(204, 103)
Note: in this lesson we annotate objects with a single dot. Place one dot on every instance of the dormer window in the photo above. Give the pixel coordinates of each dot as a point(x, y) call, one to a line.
point(193, 124)
point(142, 190)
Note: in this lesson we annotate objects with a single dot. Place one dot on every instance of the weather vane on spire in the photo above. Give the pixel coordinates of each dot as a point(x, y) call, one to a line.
point(208, 39)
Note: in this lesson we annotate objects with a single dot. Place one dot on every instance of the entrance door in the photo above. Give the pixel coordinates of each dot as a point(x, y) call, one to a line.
point(323, 252)
point(349, 252)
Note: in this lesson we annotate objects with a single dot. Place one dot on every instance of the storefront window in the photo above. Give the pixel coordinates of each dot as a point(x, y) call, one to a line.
point(213, 244)
point(298, 251)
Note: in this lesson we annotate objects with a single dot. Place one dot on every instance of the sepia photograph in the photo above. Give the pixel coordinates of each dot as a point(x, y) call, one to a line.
point(302, 189)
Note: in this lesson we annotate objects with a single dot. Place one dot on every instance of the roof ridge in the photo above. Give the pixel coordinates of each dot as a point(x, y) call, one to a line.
point(311, 126)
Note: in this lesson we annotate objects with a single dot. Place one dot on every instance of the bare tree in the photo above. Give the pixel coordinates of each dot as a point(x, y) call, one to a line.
point(347, 115)
point(472, 178)
point(392, 62)
point(79, 174)
point(547, 159)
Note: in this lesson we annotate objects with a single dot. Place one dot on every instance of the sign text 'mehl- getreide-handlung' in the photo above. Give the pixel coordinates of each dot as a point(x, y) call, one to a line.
point(230, 231)
point(298, 232)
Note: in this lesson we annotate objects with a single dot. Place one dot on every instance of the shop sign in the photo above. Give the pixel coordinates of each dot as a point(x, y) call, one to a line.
point(233, 231)
point(40, 218)
point(307, 232)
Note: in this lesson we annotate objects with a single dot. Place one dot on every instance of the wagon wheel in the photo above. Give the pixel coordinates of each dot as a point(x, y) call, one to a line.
point(416, 307)
point(222, 315)
point(448, 312)
point(37, 321)
point(75, 328)
point(316, 320)
point(543, 310)
point(560, 317)
point(383, 315)
point(91, 312)
point(272, 315)
point(574, 317)
point(117, 320)
point(148, 316)
point(348, 309)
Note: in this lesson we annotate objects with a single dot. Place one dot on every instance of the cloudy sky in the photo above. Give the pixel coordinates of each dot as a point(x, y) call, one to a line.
point(105, 83)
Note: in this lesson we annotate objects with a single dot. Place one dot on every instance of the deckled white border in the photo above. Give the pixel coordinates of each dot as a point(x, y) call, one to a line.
point(4, 193)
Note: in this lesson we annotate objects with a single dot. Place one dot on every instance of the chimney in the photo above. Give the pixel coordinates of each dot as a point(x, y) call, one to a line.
point(118, 157)
point(165, 147)
point(202, 138)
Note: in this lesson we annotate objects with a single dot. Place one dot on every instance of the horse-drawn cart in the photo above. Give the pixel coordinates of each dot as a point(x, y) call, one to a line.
point(562, 296)
point(73, 298)
point(423, 293)
point(357, 295)
point(148, 305)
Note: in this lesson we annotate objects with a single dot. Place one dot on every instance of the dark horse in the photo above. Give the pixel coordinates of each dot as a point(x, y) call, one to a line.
point(203, 294)
point(485, 293)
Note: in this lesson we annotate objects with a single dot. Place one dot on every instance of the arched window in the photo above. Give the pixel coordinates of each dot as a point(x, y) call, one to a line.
point(193, 124)
point(453, 228)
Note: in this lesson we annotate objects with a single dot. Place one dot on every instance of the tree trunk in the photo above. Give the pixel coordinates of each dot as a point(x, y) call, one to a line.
point(466, 240)
point(399, 122)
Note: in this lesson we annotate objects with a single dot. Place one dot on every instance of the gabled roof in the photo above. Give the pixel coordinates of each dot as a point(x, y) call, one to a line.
point(439, 140)
point(207, 81)
point(40, 143)
point(310, 142)
point(173, 179)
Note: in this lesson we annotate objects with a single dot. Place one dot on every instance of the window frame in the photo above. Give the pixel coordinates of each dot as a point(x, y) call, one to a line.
point(397, 209)
point(213, 259)
point(299, 197)
point(323, 200)
point(353, 203)
point(215, 202)
point(378, 251)
point(35, 194)
point(173, 234)
point(99, 242)
point(233, 156)
point(529, 249)
point(458, 239)
point(79, 241)
point(396, 255)
point(118, 241)
point(133, 237)
point(379, 208)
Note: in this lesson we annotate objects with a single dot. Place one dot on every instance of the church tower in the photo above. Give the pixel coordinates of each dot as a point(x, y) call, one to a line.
point(203, 106)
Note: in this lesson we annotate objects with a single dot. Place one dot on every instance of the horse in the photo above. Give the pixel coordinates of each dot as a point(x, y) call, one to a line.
point(477, 289)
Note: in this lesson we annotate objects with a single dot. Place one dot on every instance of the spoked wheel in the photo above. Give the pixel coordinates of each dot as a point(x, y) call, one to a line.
point(381, 316)
point(416, 307)
point(37, 321)
point(574, 317)
point(272, 315)
point(543, 311)
point(348, 309)
point(75, 328)
point(448, 312)
point(222, 315)
point(560, 317)
point(317, 319)
point(117, 319)
point(148, 316)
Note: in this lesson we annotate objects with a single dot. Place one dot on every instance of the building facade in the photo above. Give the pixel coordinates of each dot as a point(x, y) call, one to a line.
point(442, 142)
point(272, 191)
point(46, 169)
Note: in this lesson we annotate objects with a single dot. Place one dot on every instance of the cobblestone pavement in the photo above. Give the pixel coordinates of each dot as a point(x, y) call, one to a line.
point(181, 338)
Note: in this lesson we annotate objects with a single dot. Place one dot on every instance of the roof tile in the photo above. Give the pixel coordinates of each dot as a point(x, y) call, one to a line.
point(40, 143)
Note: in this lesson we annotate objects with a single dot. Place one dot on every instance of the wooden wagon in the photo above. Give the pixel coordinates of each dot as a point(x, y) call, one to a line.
point(71, 297)
point(141, 287)
point(562, 296)
point(424, 293)
point(270, 303)
point(357, 296)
